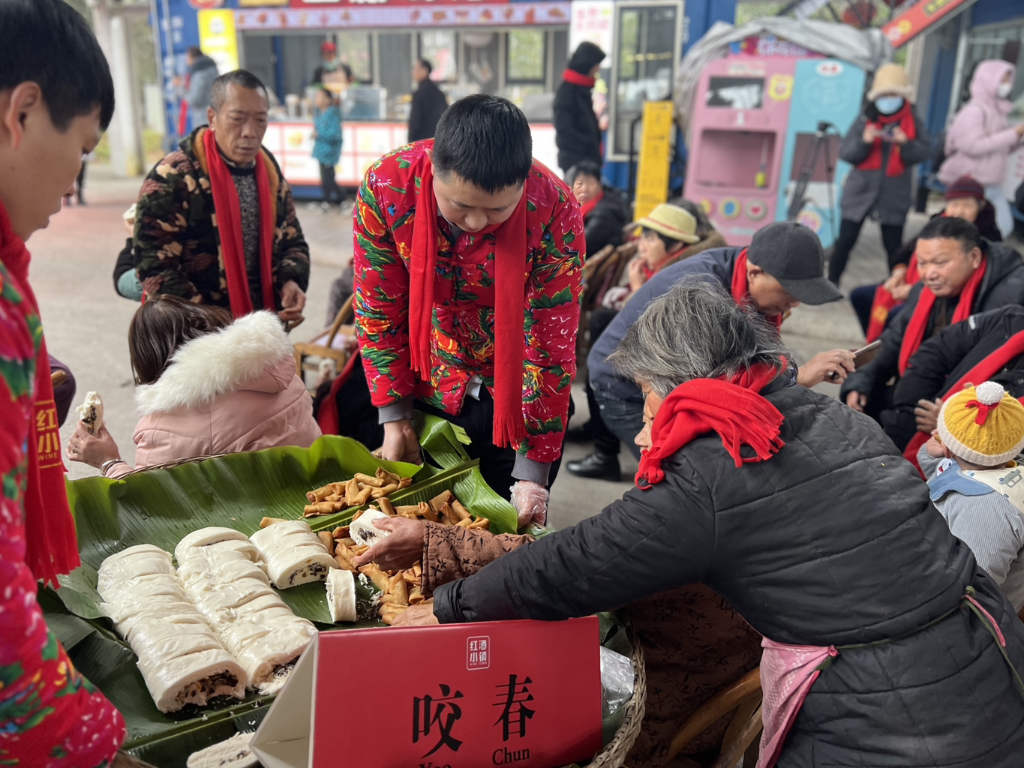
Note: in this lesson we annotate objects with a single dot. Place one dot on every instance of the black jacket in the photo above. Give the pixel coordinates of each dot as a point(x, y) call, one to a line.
point(942, 361)
point(605, 223)
point(577, 132)
point(1003, 284)
point(428, 104)
point(125, 262)
point(714, 265)
point(833, 541)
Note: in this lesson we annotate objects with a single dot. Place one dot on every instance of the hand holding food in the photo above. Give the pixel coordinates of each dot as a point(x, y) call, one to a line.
point(91, 413)
point(400, 549)
point(531, 502)
point(94, 451)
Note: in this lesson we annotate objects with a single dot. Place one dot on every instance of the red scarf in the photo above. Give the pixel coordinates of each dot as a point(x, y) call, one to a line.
point(914, 334)
point(588, 206)
point(884, 302)
point(740, 289)
point(983, 371)
point(51, 543)
point(229, 225)
point(733, 409)
point(574, 77)
point(509, 292)
point(905, 119)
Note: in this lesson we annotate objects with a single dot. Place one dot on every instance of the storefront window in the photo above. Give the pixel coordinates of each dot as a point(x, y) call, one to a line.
point(526, 56)
point(439, 48)
point(645, 61)
point(355, 49)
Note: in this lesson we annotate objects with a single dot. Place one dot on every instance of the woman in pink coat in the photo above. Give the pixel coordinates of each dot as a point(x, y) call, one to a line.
point(206, 386)
point(980, 140)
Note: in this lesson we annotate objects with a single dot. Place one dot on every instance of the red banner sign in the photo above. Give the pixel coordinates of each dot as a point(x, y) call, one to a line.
point(918, 18)
point(512, 692)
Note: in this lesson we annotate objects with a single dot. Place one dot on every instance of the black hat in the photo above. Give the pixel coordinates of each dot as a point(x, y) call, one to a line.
point(585, 58)
point(792, 254)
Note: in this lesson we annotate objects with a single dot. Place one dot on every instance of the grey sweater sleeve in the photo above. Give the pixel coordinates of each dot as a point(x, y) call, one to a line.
point(990, 525)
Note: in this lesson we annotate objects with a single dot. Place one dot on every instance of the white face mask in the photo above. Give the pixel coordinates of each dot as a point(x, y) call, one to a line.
point(1004, 90)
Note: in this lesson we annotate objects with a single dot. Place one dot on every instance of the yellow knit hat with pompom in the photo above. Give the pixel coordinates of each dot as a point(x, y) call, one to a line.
point(983, 425)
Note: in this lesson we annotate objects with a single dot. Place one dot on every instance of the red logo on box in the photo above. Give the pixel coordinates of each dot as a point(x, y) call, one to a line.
point(479, 653)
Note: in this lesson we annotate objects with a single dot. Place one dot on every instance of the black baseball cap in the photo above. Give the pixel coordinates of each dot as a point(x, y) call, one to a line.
point(792, 254)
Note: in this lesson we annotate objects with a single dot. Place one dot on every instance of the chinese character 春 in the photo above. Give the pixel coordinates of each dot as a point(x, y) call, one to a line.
point(442, 713)
point(515, 713)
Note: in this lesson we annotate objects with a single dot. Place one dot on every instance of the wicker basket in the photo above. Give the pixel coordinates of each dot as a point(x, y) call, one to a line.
point(614, 754)
point(171, 464)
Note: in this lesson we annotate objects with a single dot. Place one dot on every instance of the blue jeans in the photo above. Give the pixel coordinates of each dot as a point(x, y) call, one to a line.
point(623, 418)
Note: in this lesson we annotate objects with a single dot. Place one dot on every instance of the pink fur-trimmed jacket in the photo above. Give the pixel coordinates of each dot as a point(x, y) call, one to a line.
point(228, 392)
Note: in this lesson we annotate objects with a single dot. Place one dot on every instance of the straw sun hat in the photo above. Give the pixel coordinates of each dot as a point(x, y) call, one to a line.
point(672, 222)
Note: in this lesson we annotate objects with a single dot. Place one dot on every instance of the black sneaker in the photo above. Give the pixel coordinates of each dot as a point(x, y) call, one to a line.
point(580, 434)
point(598, 466)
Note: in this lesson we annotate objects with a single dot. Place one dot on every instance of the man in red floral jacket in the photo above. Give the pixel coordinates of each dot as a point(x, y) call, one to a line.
point(468, 271)
point(56, 96)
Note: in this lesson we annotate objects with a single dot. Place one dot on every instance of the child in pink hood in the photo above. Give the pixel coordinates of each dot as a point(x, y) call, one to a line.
point(206, 386)
point(980, 140)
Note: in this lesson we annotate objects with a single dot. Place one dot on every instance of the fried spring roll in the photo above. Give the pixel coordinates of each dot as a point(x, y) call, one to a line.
point(348, 541)
point(388, 477)
point(481, 522)
point(404, 482)
point(376, 575)
point(362, 497)
point(319, 494)
point(379, 493)
point(344, 564)
point(460, 510)
point(441, 499)
point(340, 532)
point(373, 482)
point(410, 578)
point(340, 550)
point(427, 512)
point(405, 509)
point(361, 549)
point(351, 491)
point(418, 570)
point(326, 539)
point(400, 591)
point(386, 507)
point(334, 497)
point(465, 523)
point(416, 595)
point(356, 516)
point(321, 508)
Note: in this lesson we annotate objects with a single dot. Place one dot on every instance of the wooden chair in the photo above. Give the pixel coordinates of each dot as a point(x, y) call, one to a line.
point(333, 342)
point(743, 699)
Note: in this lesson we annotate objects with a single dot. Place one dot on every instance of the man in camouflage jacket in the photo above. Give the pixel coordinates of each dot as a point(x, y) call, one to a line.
point(177, 244)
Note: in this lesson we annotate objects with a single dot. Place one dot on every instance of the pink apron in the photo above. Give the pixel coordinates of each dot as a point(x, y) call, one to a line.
point(789, 671)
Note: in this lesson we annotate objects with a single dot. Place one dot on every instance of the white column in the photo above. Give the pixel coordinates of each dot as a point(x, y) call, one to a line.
point(124, 133)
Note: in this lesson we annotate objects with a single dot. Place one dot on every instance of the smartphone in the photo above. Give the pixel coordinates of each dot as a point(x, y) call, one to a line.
point(861, 357)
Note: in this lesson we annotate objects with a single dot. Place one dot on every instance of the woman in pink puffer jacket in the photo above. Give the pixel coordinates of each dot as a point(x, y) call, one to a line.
point(980, 139)
point(207, 386)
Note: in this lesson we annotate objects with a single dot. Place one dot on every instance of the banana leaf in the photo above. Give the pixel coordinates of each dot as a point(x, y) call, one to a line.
point(159, 507)
point(442, 440)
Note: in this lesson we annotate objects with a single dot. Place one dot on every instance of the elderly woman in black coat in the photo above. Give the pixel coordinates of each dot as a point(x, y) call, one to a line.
point(885, 644)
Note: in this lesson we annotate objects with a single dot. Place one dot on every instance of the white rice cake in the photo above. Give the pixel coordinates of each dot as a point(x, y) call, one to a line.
point(192, 678)
point(363, 531)
point(204, 537)
point(341, 595)
point(292, 554)
point(236, 752)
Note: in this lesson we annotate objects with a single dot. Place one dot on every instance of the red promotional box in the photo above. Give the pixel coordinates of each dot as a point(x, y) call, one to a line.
point(524, 693)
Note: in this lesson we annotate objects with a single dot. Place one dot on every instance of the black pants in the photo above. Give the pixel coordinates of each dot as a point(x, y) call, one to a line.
point(623, 419)
point(329, 184)
point(496, 464)
point(849, 231)
point(605, 441)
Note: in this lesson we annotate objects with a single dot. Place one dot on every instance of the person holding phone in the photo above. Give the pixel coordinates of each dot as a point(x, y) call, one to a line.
point(883, 145)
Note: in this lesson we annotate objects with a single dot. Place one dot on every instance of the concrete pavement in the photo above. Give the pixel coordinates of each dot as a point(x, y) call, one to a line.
point(86, 322)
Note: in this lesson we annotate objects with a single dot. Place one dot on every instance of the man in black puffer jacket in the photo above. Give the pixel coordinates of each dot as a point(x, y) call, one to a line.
point(577, 133)
point(956, 355)
point(950, 253)
point(827, 539)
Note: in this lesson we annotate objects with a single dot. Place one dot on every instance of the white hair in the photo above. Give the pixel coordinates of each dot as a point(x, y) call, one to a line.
point(695, 331)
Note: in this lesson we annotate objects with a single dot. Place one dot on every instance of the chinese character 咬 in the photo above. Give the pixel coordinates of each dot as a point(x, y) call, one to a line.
point(515, 713)
point(443, 713)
